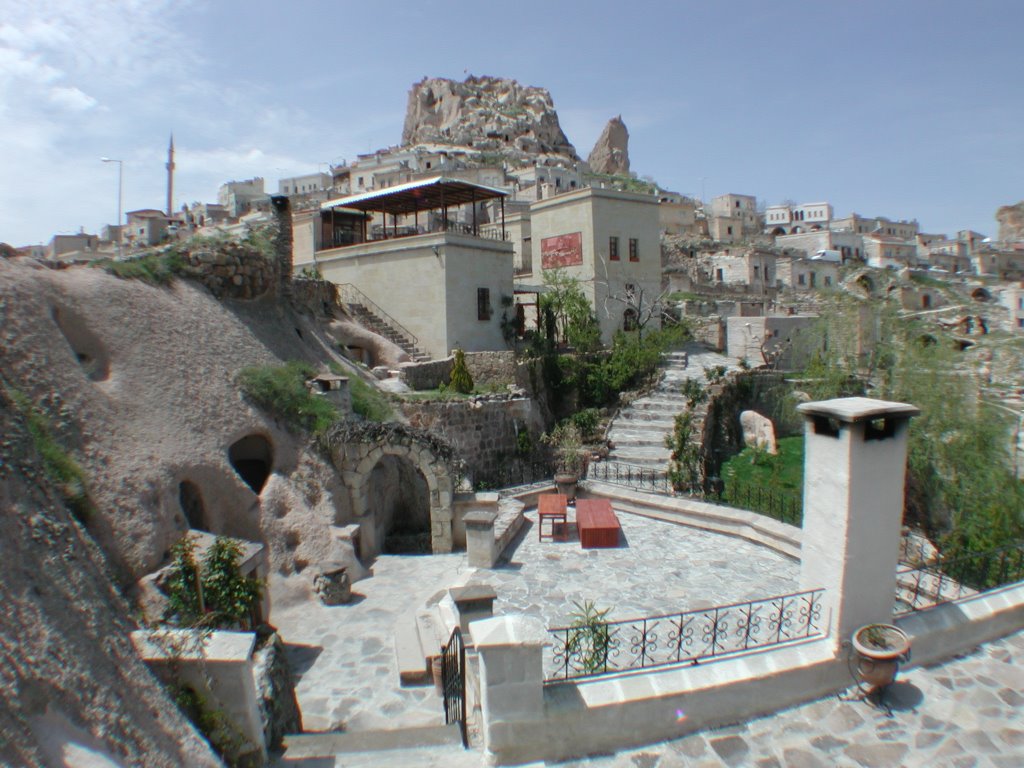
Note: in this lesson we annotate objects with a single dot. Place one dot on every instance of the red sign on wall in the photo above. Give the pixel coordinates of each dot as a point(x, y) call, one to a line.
point(561, 251)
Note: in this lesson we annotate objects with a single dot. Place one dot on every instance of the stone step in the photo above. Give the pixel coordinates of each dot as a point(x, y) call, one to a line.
point(646, 419)
point(412, 665)
point(306, 746)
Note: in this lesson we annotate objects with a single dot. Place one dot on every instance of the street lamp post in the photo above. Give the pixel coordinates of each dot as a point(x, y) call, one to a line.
point(120, 198)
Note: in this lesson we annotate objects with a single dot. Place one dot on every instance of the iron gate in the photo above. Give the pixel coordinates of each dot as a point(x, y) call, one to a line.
point(453, 682)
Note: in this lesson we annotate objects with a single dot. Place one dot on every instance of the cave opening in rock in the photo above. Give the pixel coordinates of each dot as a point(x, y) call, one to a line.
point(399, 500)
point(191, 500)
point(252, 458)
point(89, 351)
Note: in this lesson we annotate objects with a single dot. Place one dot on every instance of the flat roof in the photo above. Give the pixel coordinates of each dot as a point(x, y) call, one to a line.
point(425, 195)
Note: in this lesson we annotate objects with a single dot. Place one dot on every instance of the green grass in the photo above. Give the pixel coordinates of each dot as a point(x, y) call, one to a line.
point(59, 466)
point(784, 472)
point(367, 401)
point(281, 390)
point(153, 268)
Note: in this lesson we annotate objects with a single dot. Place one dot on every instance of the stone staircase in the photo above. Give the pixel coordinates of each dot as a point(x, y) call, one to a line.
point(439, 745)
point(371, 321)
point(639, 431)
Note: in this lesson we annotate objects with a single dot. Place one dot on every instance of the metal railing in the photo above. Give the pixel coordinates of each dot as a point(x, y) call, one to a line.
point(634, 476)
point(599, 648)
point(453, 682)
point(349, 294)
point(785, 506)
point(951, 578)
point(513, 474)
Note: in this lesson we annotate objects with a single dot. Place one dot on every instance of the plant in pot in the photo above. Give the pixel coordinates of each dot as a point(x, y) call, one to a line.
point(880, 648)
point(567, 443)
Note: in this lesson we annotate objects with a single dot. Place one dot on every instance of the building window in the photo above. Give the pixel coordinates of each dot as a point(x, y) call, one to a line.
point(634, 249)
point(613, 248)
point(800, 279)
point(757, 272)
point(730, 230)
point(719, 275)
point(629, 321)
point(828, 280)
point(483, 303)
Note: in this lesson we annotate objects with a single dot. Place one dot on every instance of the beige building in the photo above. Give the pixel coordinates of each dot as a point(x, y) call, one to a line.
point(754, 268)
point(444, 287)
point(1005, 263)
point(850, 245)
point(806, 274)
point(863, 225)
point(786, 341)
point(793, 219)
point(609, 241)
point(678, 217)
point(889, 252)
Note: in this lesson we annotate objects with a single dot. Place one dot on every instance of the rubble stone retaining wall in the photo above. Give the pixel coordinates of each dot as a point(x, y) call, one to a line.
point(486, 368)
point(232, 271)
point(484, 431)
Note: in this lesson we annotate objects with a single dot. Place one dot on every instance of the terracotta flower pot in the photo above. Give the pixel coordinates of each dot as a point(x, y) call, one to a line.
point(880, 648)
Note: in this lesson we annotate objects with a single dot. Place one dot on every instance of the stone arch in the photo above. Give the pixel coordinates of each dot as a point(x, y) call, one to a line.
point(981, 294)
point(360, 449)
point(778, 231)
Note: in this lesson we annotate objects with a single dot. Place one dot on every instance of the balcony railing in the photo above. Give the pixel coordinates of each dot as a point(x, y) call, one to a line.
point(599, 648)
point(947, 579)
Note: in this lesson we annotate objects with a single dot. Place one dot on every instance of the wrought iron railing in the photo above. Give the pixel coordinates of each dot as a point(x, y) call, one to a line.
point(453, 682)
point(950, 578)
point(785, 506)
point(514, 473)
point(349, 294)
point(616, 646)
point(631, 475)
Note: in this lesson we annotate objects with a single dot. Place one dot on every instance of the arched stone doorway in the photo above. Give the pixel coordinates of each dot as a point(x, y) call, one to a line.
point(373, 459)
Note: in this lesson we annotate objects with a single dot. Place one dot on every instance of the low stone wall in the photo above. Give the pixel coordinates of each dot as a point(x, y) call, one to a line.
point(483, 432)
point(428, 375)
point(232, 271)
point(492, 368)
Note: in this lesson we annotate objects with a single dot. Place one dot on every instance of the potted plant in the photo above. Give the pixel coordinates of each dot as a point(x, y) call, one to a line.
point(569, 463)
point(880, 649)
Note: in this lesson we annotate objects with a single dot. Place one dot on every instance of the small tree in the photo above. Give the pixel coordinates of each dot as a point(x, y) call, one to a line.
point(589, 638)
point(212, 594)
point(461, 380)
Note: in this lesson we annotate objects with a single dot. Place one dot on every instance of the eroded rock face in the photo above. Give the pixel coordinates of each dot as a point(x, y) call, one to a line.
point(611, 151)
point(491, 114)
point(1011, 222)
point(758, 432)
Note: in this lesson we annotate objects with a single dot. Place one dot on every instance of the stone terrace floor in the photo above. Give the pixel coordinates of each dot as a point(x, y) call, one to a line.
point(345, 658)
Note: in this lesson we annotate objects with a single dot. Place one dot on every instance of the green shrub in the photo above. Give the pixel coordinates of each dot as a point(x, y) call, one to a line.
point(587, 422)
point(589, 638)
point(153, 268)
point(281, 390)
point(461, 380)
point(368, 401)
point(213, 594)
point(60, 468)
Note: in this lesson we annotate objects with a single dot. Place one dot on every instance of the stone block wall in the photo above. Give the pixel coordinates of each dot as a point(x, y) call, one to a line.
point(232, 271)
point(484, 432)
point(428, 375)
point(488, 368)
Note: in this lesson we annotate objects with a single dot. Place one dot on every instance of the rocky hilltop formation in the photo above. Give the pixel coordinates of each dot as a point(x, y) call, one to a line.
point(489, 114)
point(611, 151)
point(1011, 222)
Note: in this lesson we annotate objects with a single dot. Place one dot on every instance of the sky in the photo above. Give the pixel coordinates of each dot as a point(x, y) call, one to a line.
point(882, 107)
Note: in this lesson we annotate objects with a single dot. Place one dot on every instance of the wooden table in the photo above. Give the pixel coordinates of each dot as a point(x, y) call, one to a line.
point(597, 523)
point(552, 507)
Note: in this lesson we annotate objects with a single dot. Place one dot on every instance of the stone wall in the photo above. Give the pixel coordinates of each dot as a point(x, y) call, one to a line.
point(319, 297)
point(232, 270)
point(484, 432)
point(487, 369)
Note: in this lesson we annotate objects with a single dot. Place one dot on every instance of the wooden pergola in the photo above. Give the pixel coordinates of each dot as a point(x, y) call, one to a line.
point(438, 193)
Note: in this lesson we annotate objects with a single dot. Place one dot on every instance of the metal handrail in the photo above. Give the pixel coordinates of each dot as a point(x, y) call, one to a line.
point(603, 647)
point(947, 579)
point(631, 475)
point(352, 295)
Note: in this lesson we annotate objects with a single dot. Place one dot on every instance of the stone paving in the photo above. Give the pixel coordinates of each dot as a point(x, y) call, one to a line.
point(345, 654)
point(965, 713)
point(658, 568)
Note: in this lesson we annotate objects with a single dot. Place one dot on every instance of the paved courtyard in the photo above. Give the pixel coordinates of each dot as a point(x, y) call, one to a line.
point(344, 655)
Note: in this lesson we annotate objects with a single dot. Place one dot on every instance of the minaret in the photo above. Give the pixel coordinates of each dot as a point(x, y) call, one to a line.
point(170, 178)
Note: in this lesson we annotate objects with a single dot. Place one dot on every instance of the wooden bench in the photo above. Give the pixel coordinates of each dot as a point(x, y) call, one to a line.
point(552, 507)
point(597, 523)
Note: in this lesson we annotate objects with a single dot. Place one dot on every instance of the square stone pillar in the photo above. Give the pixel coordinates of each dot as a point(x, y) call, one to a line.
point(510, 649)
point(474, 603)
point(219, 666)
point(855, 455)
point(481, 548)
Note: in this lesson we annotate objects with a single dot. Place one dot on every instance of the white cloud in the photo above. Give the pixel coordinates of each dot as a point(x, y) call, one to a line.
point(71, 98)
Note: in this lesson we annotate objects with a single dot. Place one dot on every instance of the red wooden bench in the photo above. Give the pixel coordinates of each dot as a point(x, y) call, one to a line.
point(552, 507)
point(597, 523)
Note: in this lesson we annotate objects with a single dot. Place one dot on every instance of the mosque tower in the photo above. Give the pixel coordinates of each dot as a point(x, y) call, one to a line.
point(170, 178)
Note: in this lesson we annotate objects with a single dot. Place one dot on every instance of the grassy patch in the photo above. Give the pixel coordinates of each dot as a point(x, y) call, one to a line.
point(281, 390)
point(59, 466)
point(152, 268)
point(755, 467)
point(367, 401)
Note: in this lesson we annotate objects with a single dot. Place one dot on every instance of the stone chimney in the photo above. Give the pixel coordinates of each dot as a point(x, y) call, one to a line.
point(855, 455)
point(283, 244)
